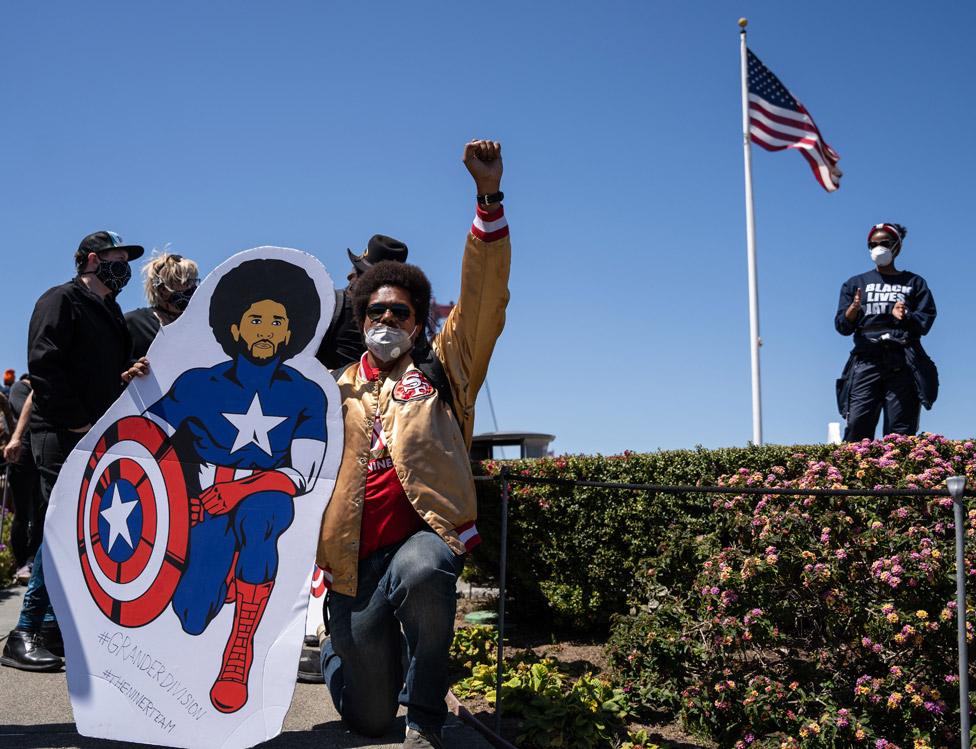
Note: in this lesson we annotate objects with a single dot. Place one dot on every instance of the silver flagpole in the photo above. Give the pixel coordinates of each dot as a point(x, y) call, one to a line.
point(754, 340)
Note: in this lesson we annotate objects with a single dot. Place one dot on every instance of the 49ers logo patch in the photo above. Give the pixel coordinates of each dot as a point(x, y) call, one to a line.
point(413, 386)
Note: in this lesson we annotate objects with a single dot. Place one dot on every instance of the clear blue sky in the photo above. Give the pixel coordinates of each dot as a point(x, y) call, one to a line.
point(220, 126)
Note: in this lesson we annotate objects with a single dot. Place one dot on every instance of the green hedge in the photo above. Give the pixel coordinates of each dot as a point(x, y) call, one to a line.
point(763, 620)
point(576, 555)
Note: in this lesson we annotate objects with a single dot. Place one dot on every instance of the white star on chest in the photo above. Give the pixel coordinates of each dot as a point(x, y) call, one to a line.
point(117, 516)
point(253, 426)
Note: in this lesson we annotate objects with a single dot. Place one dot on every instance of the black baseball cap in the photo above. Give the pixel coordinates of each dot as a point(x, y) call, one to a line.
point(100, 241)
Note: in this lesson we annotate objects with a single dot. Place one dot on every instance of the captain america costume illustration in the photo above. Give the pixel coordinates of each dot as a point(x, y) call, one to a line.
point(182, 528)
point(250, 433)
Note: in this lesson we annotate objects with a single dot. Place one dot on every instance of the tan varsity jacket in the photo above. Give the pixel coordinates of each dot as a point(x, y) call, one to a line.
point(428, 446)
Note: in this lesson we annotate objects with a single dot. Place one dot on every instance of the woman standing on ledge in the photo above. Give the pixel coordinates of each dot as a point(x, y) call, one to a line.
point(887, 311)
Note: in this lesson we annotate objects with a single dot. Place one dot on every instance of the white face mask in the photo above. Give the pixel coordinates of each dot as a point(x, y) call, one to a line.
point(388, 344)
point(881, 256)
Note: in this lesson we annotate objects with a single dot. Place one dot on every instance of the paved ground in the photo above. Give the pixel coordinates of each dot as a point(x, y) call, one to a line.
point(35, 712)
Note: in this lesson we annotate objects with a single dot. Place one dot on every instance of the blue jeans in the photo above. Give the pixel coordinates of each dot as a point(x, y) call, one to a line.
point(36, 608)
point(50, 448)
point(389, 643)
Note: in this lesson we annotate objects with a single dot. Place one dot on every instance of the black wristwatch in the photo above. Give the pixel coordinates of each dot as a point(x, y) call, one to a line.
point(494, 198)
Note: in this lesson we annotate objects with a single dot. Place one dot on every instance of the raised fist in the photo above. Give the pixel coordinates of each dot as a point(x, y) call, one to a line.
point(483, 158)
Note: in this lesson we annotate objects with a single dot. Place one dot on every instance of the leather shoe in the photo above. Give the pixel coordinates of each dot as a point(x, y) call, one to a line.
point(51, 633)
point(417, 740)
point(25, 650)
point(310, 666)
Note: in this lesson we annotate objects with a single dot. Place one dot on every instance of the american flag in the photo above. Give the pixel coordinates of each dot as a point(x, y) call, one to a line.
point(777, 121)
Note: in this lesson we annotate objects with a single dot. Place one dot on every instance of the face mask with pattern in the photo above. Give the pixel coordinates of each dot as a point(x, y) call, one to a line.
point(114, 273)
point(180, 299)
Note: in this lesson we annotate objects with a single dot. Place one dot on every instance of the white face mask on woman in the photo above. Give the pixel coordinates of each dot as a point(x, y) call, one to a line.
point(388, 344)
point(881, 256)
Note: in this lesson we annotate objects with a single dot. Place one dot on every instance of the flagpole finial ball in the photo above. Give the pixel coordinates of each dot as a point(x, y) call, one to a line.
point(743, 22)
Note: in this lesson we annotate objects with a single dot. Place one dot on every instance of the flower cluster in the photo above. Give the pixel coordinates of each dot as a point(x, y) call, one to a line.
point(827, 621)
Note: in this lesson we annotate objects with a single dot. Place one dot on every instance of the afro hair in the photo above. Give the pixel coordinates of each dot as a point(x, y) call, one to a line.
point(402, 275)
point(256, 280)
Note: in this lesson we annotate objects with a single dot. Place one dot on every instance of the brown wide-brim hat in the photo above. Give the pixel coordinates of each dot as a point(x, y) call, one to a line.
point(379, 248)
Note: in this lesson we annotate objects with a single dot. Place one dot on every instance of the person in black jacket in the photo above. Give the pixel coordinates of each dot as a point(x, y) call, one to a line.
point(343, 342)
point(170, 281)
point(79, 359)
point(887, 311)
point(29, 508)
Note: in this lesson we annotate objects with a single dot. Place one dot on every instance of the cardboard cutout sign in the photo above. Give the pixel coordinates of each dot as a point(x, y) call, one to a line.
point(182, 529)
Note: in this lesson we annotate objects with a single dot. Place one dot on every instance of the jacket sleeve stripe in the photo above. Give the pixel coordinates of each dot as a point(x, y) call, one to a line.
point(489, 226)
point(469, 536)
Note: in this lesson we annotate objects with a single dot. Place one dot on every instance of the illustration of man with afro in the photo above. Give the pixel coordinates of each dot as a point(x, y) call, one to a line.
point(250, 432)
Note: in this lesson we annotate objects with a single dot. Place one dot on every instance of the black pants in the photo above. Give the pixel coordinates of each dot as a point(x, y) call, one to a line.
point(51, 449)
point(881, 382)
point(29, 508)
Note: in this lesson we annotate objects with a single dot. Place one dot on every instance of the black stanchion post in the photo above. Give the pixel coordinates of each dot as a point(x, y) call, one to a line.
point(502, 565)
point(956, 486)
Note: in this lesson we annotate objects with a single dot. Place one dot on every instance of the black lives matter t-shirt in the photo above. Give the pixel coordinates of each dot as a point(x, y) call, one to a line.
point(879, 294)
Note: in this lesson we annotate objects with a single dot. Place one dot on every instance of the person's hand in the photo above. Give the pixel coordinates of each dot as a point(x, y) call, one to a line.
point(855, 308)
point(81, 430)
point(899, 310)
point(11, 453)
point(221, 498)
point(483, 158)
point(139, 369)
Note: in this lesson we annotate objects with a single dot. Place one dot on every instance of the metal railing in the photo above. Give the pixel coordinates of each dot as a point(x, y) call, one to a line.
point(955, 488)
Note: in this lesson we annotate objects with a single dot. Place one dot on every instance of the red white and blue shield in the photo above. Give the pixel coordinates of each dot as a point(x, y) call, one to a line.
point(133, 522)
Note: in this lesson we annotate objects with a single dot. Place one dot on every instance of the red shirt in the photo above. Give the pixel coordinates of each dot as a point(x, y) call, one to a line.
point(388, 516)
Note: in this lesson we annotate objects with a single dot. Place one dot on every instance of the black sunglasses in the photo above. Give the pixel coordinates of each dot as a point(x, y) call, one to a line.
point(886, 243)
point(400, 311)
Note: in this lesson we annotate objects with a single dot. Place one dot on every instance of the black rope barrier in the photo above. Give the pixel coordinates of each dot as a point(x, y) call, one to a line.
point(694, 489)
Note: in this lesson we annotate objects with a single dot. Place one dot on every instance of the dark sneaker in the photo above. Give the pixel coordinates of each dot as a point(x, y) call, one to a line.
point(310, 666)
point(418, 740)
point(51, 634)
point(26, 651)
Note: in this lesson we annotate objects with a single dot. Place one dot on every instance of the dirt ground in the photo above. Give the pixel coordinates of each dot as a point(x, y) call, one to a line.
point(579, 658)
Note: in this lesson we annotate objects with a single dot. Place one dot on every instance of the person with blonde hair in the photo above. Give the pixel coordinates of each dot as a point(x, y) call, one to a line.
point(170, 280)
